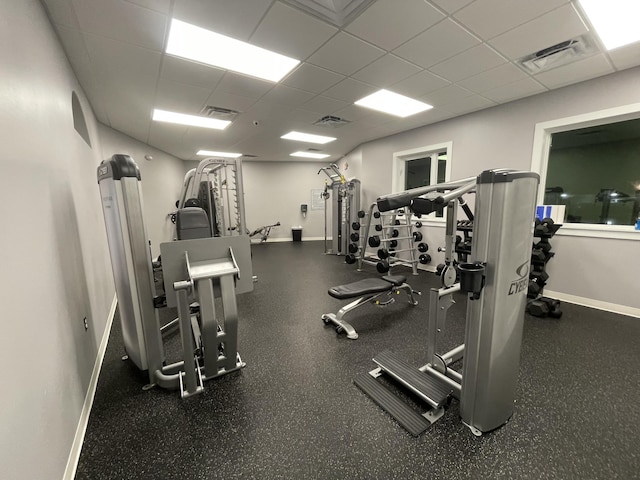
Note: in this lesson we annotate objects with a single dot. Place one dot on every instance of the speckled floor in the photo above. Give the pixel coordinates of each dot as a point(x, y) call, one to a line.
point(294, 413)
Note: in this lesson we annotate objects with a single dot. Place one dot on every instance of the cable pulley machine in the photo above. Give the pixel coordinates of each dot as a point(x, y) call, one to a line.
point(495, 281)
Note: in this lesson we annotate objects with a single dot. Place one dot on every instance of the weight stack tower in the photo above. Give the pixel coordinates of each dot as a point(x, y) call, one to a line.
point(502, 238)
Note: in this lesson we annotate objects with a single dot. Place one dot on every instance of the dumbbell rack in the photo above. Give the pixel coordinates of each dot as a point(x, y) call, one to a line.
point(538, 305)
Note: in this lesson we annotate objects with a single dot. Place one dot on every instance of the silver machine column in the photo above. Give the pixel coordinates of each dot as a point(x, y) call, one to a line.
point(120, 190)
point(501, 250)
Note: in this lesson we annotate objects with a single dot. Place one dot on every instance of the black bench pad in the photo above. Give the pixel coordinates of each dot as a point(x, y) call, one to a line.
point(366, 286)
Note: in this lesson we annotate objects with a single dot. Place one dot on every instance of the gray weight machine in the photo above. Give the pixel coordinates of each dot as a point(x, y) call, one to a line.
point(495, 280)
point(345, 195)
point(199, 275)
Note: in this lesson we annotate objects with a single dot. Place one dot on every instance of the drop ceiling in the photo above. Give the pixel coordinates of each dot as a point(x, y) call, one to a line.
point(458, 55)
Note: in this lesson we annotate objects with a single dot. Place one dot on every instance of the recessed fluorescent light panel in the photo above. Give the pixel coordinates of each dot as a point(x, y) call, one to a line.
point(211, 153)
point(393, 103)
point(307, 137)
point(192, 120)
point(615, 21)
point(205, 46)
point(309, 155)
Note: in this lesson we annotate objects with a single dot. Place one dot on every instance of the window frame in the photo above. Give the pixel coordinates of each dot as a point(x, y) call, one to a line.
point(540, 160)
point(399, 170)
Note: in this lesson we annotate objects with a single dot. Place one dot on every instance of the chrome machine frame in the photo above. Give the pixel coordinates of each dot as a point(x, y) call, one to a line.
point(190, 267)
point(495, 281)
point(344, 208)
point(218, 184)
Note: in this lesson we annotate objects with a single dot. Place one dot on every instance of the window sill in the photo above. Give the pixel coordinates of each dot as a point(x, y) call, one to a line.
point(619, 232)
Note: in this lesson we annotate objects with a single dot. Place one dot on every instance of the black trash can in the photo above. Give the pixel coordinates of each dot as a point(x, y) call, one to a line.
point(296, 233)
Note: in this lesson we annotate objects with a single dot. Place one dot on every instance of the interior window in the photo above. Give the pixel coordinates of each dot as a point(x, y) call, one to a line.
point(422, 166)
point(595, 173)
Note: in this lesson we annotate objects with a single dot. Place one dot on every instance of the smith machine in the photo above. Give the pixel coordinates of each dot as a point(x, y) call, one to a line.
point(344, 209)
point(203, 271)
point(495, 279)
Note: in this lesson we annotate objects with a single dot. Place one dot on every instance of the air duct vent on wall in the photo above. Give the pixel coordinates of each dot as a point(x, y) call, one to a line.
point(331, 122)
point(219, 112)
point(563, 53)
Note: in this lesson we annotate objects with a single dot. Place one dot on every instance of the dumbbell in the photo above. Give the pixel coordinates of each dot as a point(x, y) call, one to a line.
point(353, 248)
point(543, 245)
point(545, 226)
point(535, 289)
point(423, 247)
point(378, 227)
point(538, 255)
point(384, 253)
point(418, 224)
point(361, 213)
point(355, 225)
point(424, 258)
point(350, 259)
point(540, 276)
point(382, 266)
point(355, 237)
point(375, 240)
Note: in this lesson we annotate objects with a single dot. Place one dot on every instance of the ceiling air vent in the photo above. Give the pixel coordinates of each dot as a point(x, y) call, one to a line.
point(563, 53)
point(331, 122)
point(219, 112)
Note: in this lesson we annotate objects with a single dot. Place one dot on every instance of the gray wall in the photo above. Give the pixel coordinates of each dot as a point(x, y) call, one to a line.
point(53, 249)
point(274, 192)
point(55, 263)
point(590, 268)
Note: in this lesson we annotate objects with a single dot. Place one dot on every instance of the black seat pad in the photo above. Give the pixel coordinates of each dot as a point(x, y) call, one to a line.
point(366, 286)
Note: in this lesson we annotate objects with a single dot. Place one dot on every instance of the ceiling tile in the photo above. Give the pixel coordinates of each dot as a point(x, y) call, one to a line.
point(323, 105)
point(268, 112)
point(428, 117)
point(162, 6)
point(575, 72)
point(180, 97)
point(545, 31)
point(445, 95)
point(352, 113)
point(488, 18)
point(192, 73)
point(312, 79)
point(289, 96)
point(345, 54)
point(229, 100)
point(419, 84)
point(451, 6)
point(518, 89)
point(227, 17)
point(502, 75)
point(468, 104)
point(166, 136)
point(438, 43)
point(290, 32)
point(625, 57)
point(116, 59)
point(468, 63)
point(350, 90)
point(387, 24)
point(61, 12)
point(243, 85)
point(386, 71)
point(122, 21)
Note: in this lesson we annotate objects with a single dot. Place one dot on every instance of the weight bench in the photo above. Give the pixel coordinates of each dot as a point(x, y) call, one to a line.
point(368, 290)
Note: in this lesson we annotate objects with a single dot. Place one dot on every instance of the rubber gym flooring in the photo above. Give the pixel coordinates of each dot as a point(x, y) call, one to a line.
point(294, 413)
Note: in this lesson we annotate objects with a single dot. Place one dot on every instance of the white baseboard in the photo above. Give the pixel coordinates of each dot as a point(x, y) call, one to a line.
point(76, 447)
point(597, 304)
